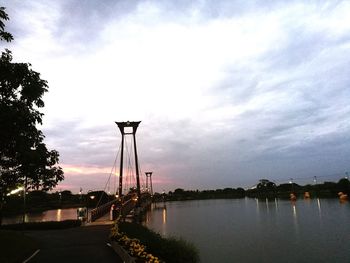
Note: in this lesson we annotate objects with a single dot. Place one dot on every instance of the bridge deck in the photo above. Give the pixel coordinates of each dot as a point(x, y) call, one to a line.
point(103, 220)
point(101, 215)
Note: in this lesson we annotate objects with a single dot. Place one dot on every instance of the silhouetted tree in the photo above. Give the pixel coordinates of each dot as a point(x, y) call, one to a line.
point(3, 34)
point(179, 191)
point(344, 185)
point(24, 158)
point(265, 185)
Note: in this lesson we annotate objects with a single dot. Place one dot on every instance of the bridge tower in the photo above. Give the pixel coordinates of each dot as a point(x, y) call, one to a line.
point(133, 125)
point(149, 175)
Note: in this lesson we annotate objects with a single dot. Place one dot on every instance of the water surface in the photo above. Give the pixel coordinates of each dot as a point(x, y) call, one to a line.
point(49, 215)
point(252, 230)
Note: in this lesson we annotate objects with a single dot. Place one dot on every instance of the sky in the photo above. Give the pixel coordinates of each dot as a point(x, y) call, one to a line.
point(228, 92)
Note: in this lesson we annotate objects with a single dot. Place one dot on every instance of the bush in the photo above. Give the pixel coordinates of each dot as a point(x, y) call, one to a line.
point(171, 250)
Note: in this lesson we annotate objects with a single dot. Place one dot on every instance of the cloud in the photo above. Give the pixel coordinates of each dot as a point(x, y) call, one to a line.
point(228, 92)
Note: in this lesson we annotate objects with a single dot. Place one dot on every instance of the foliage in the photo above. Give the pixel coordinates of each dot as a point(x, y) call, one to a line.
point(24, 158)
point(168, 249)
point(181, 194)
point(132, 246)
point(44, 225)
point(326, 189)
point(15, 247)
point(266, 185)
point(3, 34)
point(263, 189)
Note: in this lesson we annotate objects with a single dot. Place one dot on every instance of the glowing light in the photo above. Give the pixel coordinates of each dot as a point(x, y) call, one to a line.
point(294, 211)
point(164, 216)
point(319, 205)
point(59, 215)
point(19, 189)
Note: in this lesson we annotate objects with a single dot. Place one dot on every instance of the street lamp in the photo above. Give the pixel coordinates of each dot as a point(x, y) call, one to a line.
point(80, 194)
point(24, 200)
point(291, 182)
point(92, 197)
point(60, 197)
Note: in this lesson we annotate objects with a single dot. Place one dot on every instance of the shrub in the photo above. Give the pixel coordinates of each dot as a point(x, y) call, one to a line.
point(171, 250)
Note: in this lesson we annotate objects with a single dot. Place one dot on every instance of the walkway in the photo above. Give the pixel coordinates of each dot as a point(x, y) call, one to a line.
point(103, 220)
point(82, 244)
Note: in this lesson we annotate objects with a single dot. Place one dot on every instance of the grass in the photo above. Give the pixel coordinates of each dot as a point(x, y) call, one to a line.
point(15, 246)
point(170, 250)
point(43, 225)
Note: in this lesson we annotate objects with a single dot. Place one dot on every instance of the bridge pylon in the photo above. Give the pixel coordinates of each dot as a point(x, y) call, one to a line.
point(133, 125)
point(149, 175)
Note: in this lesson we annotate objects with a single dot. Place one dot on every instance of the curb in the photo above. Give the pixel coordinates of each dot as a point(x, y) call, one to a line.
point(122, 253)
point(33, 255)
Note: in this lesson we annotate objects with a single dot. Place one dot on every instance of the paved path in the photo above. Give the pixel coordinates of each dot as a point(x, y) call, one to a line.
point(103, 220)
point(82, 244)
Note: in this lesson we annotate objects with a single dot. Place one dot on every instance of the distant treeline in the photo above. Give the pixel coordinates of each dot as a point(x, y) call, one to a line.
point(326, 190)
point(40, 200)
point(263, 189)
point(181, 194)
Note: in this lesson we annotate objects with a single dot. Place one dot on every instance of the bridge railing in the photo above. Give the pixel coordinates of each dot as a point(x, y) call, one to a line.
point(101, 210)
point(123, 206)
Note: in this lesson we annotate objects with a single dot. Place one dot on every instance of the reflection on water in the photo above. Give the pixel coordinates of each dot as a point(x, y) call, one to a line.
point(151, 216)
point(319, 207)
point(59, 216)
point(276, 203)
point(294, 210)
point(252, 230)
point(295, 219)
point(49, 215)
point(164, 215)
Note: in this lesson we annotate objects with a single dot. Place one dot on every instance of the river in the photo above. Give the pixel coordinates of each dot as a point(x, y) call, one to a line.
point(49, 215)
point(252, 230)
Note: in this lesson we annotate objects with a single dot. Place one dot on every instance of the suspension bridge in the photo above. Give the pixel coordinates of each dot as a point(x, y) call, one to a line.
point(132, 196)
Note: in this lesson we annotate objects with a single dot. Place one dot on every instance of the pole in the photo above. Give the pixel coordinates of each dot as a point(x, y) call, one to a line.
point(149, 185)
point(137, 167)
point(24, 200)
point(121, 167)
point(87, 211)
point(292, 183)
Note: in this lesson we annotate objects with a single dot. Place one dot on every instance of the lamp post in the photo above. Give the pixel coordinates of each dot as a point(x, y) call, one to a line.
point(80, 194)
point(92, 197)
point(60, 198)
point(292, 184)
point(24, 200)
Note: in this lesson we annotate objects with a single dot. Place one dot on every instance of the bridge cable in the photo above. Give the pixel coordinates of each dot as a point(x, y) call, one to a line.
point(110, 174)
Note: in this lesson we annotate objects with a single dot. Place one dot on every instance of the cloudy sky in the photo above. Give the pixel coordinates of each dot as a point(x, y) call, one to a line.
point(228, 92)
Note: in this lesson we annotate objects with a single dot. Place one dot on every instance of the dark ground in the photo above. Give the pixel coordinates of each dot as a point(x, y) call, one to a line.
point(81, 244)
